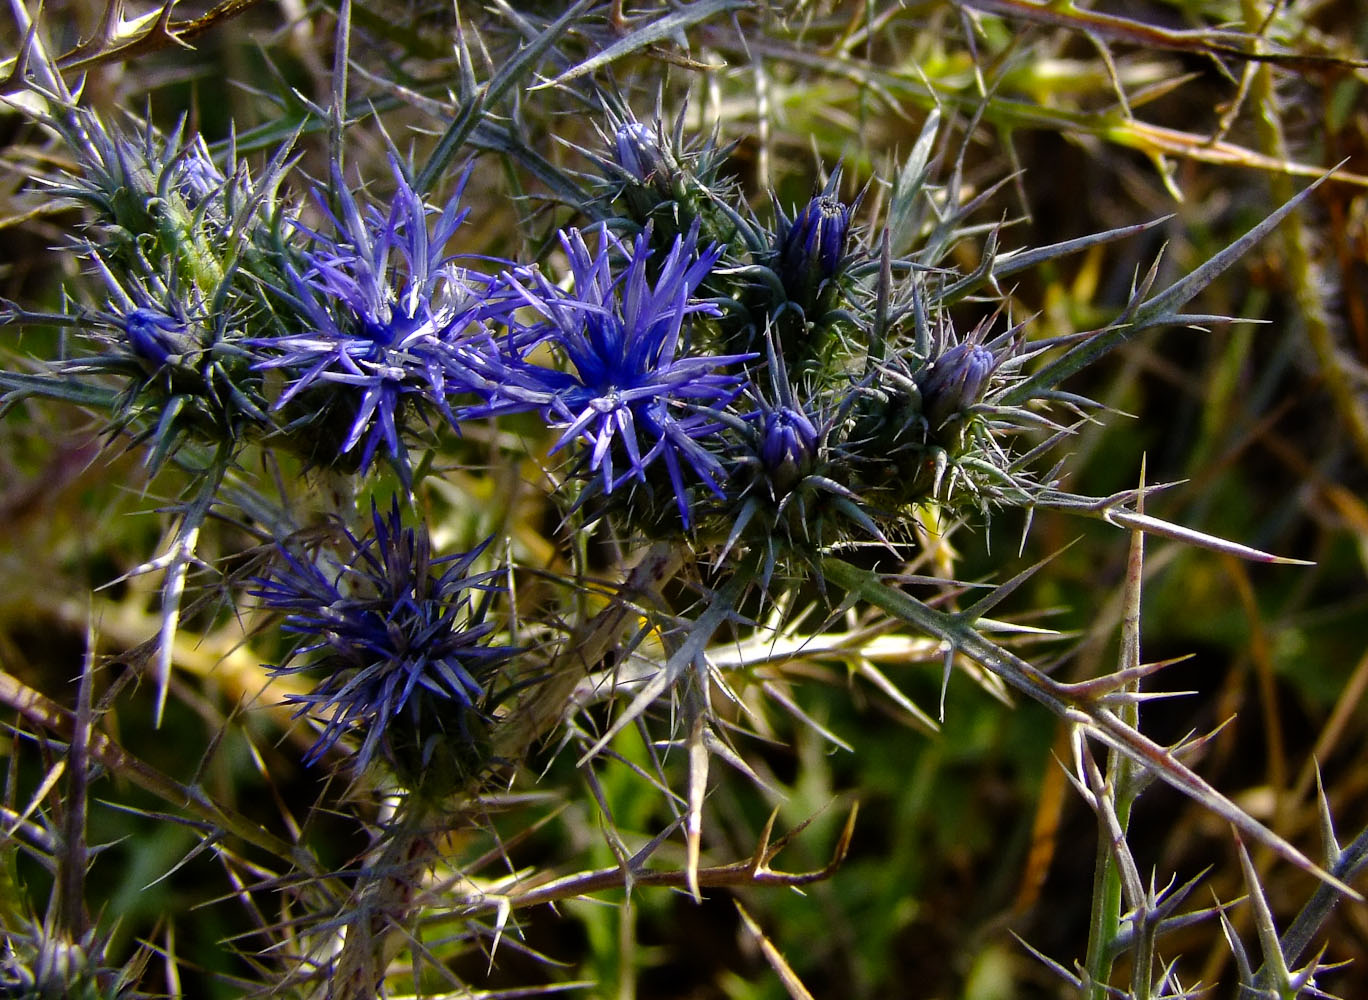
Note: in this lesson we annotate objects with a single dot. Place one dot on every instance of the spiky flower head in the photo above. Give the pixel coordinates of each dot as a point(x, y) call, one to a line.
point(188, 248)
point(386, 312)
point(162, 203)
point(788, 441)
point(399, 642)
point(650, 173)
point(631, 391)
point(155, 337)
point(788, 497)
point(932, 420)
point(165, 367)
point(133, 180)
point(187, 375)
point(804, 265)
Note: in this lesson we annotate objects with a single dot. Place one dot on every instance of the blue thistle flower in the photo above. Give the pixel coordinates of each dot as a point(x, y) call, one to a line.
point(168, 368)
point(188, 256)
point(633, 391)
point(400, 641)
point(648, 172)
point(787, 500)
point(197, 177)
point(788, 497)
point(932, 419)
point(388, 314)
point(788, 441)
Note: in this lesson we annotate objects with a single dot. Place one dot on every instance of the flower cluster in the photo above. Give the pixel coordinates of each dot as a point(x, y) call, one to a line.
point(866, 412)
point(737, 391)
point(342, 341)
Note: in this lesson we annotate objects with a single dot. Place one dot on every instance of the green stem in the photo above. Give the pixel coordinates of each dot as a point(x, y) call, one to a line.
point(1122, 786)
point(381, 907)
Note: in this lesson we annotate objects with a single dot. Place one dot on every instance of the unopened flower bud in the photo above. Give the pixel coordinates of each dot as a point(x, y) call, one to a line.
point(197, 176)
point(787, 443)
point(637, 151)
point(955, 382)
point(649, 182)
point(810, 252)
point(154, 336)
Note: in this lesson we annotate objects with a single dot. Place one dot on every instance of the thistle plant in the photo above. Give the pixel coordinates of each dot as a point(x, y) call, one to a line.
point(543, 409)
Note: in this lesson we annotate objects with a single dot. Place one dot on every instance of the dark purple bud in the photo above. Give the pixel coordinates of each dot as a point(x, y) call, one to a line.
point(637, 151)
point(155, 336)
point(810, 252)
point(955, 382)
point(787, 443)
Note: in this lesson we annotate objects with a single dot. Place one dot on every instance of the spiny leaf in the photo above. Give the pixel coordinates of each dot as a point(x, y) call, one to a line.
point(1098, 720)
point(1160, 310)
point(656, 31)
point(474, 110)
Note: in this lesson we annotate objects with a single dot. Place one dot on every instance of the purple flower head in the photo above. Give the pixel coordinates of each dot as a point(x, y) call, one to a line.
point(781, 442)
point(789, 490)
point(387, 312)
point(632, 389)
point(955, 381)
point(183, 371)
point(817, 238)
point(392, 631)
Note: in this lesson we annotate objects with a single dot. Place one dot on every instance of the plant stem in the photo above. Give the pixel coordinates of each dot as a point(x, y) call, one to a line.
point(1122, 787)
